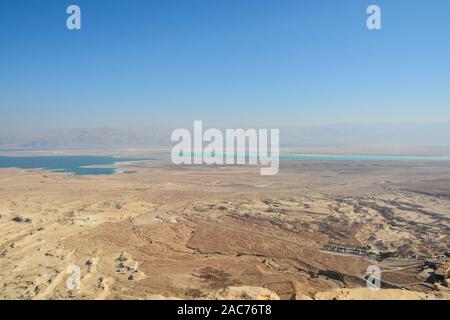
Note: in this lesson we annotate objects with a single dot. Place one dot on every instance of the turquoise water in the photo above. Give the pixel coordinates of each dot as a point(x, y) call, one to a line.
point(80, 165)
point(360, 157)
point(347, 157)
point(71, 164)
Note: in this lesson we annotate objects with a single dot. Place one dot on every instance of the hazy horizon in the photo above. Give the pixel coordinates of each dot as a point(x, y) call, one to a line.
point(398, 137)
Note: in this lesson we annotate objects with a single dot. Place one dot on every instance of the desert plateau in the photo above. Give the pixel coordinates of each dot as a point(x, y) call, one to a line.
point(154, 230)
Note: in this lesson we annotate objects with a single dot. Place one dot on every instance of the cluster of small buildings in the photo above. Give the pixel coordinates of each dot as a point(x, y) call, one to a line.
point(441, 267)
point(440, 263)
point(342, 248)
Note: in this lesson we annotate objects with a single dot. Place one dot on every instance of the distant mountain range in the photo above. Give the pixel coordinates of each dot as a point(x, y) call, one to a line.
point(345, 135)
point(90, 138)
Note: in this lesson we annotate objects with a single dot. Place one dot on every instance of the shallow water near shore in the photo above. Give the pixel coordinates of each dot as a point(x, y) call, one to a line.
point(354, 157)
point(78, 165)
point(335, 157)
point(92, 165)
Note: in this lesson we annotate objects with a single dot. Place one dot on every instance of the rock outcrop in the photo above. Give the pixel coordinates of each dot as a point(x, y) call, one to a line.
point(370, 294)
point(245, 293)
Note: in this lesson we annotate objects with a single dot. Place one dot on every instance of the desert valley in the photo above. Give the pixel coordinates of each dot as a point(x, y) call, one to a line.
point(154, 230)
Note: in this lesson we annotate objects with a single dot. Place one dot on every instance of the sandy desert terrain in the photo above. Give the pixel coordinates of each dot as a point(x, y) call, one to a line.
point(156, 231)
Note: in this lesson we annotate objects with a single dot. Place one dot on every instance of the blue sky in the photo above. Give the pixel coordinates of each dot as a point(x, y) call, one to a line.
point(226, 62)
